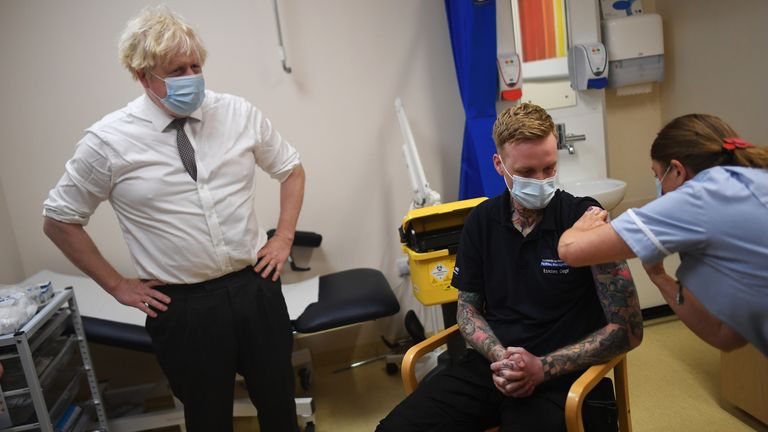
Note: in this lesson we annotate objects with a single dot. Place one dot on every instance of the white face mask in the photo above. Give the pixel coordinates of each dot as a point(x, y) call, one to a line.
point(531, 193)
point(659, 192)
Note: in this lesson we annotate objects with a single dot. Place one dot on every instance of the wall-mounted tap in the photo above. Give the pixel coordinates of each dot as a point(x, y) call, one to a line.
point(564, 140)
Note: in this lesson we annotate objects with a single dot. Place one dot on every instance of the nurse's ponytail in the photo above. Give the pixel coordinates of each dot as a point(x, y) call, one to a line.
point(701, 141)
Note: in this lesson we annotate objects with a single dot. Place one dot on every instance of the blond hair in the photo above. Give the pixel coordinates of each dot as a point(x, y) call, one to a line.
point(154, 36)
point(696, 141)
point(522, 122)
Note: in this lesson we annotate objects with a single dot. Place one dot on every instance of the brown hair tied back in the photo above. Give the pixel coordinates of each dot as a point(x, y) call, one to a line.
point(702, 141)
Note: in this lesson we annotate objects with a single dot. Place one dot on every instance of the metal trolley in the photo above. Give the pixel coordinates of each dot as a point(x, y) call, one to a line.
point(36, 359)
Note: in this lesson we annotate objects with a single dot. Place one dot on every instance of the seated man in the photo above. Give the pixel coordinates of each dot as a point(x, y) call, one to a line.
point(533, 323)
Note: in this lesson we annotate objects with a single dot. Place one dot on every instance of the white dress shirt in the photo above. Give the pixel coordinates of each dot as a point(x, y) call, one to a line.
point(177, 230)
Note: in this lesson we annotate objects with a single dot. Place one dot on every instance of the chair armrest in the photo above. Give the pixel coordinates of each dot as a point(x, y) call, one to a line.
point(408, 368)
point(302, 238)
point(587, 381)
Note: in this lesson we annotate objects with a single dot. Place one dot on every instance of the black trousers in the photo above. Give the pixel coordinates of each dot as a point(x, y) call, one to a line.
point(237, 323)
point(463, 398)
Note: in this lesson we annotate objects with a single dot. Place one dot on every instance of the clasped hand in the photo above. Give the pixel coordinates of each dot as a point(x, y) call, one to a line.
point(518, 373)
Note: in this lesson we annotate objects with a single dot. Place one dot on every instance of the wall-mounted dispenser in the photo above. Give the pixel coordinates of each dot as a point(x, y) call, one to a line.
point(588, 66)
point(635, 47)
point(510, 76)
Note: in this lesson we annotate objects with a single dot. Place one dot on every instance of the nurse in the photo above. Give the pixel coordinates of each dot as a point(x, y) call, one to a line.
point(713, 210)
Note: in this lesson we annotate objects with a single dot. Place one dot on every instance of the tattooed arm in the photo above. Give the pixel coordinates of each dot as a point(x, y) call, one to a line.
point(479, 335)
point(475, 329)
point(624, 331)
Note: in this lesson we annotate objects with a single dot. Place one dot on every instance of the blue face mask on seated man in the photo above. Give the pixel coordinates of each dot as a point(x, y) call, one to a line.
point(531, 193)
point(184, 94)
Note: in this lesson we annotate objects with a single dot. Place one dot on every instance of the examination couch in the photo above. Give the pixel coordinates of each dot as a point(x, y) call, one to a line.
point(343, 298)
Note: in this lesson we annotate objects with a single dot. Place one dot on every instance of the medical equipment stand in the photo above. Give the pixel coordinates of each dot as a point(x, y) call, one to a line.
point(49, 323)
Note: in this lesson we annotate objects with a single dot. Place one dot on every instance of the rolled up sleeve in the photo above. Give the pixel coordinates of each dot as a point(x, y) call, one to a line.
point(273, 154)
point(85, 184)
point(673, 223)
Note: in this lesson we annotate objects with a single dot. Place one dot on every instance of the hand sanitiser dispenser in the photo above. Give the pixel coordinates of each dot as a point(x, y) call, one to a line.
point(588, 66)
point(510, 76)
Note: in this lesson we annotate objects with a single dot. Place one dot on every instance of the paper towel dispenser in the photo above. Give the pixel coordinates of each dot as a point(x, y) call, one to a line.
point(635, 46)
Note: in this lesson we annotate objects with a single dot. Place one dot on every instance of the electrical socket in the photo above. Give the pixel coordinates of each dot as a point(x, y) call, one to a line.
point(403, 269)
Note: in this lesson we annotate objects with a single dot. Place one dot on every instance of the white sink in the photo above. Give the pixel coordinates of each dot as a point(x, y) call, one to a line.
point(607, 191)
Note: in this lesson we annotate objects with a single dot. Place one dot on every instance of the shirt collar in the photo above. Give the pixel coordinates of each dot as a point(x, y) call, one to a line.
point(147, 110)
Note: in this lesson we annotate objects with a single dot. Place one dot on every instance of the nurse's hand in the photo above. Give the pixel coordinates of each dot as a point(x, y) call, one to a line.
point(592, 218)
point(141, 295)
point(273, 256)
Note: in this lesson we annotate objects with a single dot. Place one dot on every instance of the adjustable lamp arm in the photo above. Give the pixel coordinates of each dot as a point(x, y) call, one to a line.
point(424, 196)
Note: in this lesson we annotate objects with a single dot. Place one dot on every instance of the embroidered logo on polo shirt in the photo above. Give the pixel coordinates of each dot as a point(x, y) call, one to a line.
point(554, 266)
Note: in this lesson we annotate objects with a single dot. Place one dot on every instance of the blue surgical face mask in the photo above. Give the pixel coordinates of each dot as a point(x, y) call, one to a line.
point(531, 193)
point(184, 94)
point(659, 192)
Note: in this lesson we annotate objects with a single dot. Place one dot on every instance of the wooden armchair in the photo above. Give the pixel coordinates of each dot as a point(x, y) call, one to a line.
point(576, 394)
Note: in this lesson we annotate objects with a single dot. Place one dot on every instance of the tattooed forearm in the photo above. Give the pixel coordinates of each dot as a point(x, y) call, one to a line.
point(624, 331)
point(618, 296)
point(475, 329)
point(598, 347)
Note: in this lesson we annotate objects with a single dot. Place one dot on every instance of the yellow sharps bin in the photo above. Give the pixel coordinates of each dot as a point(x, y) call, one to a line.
point(430, 237)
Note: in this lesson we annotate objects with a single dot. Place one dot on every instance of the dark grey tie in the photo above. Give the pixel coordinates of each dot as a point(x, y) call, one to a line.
point(186, 151)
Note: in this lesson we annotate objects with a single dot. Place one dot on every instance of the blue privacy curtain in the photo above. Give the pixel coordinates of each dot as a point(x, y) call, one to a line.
point(472, 24)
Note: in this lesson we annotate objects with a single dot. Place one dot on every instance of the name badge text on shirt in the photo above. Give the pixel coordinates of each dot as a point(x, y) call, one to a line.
point(554, 266)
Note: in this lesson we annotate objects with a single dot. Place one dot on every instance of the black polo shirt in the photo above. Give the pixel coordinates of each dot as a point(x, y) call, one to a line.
point(533, 299)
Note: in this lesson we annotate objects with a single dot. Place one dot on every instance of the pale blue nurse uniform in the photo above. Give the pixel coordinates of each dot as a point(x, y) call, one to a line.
point(718, 222)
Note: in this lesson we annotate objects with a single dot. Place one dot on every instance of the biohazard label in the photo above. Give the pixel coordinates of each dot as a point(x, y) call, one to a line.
point(438, 273)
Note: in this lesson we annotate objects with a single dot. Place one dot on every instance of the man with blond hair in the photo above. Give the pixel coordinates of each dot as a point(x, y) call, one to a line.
point(178, 166)
point(532, 322)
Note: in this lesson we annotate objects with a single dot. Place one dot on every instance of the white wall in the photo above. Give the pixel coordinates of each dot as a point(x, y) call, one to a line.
point(350, 60)
point(10, 262)
point(631, 125)
point(716, 62)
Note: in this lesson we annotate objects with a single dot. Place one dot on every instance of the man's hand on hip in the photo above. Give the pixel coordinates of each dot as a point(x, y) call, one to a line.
point(141, 295)
point(273, 256)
